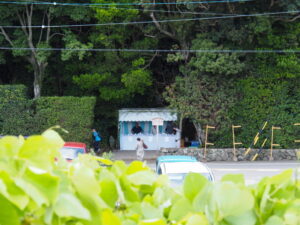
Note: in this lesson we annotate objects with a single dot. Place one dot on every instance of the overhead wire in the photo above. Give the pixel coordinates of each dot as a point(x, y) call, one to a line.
point(159, 50)
point(145, 10)
point(119, 3)
point(156, 10)
point(165, 11)
point(146, 22)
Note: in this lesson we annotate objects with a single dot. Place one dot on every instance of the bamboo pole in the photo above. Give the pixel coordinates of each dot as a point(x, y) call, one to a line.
point(206, 138)
point(272, 141)
point(235, 143)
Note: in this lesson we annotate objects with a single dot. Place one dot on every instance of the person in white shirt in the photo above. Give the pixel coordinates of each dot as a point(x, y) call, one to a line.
point(140, 149)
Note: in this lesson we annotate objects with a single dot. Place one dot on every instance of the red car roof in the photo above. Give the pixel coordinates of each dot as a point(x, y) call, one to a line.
point(75, 145)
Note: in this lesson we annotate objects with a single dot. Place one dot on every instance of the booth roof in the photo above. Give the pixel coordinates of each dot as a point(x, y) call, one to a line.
point(147, 114)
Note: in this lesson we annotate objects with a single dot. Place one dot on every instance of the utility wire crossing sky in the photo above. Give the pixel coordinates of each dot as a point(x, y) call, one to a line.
point(146, 22)
point(118, 3)
point(114, 6)
point(158, 50)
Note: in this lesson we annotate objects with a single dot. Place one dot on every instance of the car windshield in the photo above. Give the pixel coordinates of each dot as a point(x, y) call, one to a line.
point(176, 179)
point(71, 153)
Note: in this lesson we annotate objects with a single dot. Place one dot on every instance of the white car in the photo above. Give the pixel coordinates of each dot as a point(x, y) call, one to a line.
point(178, 166)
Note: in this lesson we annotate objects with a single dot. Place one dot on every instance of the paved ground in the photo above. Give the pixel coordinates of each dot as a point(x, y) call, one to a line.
point(129, 155)
point(253, 171)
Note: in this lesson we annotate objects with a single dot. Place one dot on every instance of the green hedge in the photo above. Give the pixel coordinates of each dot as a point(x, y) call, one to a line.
point(19, 115)
point(74, 114)
point(15, 112)
point(261, 99)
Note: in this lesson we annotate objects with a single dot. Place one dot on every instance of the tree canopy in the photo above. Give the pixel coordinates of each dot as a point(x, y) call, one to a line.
point(221, 87)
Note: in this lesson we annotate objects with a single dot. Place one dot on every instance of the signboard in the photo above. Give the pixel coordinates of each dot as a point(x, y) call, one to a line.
point(157, 121)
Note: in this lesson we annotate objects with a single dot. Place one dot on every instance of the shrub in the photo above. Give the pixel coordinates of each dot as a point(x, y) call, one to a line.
point(261, 99)
point(74, 114)
point(37, 190)
point(15, 112)
point(19, 115)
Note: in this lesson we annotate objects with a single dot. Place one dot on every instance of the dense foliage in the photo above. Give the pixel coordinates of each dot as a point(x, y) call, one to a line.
point(235, 87)
point(36, 189)
point(272, 100)
point(15, 111)
point(74, 114)
point(42, 37)
point(19, 115)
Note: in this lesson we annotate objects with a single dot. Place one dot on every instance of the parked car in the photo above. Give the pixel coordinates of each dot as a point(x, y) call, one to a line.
point(178, 166)
point(71, 150)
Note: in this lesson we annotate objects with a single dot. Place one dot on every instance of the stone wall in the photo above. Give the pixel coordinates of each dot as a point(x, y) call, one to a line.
point(227, 154)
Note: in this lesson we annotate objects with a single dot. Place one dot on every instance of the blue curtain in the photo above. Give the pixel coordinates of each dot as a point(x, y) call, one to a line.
point(142, 124)
point(125, 126)
point(150, 128)
point(160, 128)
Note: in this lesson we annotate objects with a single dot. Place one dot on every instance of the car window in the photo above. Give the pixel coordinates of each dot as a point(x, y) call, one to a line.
point(71, 153)
point(208, 176)
point(177, 179)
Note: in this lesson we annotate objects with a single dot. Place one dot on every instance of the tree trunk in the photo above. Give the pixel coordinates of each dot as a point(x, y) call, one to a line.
point(180, 127)
point(180, 123)
point(38, 66)
point(37, 84)
point(25, 17)
point(200, 132)
point(39, 70)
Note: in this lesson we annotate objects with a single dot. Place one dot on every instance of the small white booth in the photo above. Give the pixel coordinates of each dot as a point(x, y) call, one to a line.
point(154, 137)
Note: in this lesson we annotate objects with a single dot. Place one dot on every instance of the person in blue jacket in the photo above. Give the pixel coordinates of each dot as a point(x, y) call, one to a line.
point(96, 141)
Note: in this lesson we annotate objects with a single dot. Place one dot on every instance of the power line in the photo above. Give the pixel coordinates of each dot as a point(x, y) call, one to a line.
point(118, 3)
point(153, 10)
point(146, 22)
point(166, 11)
point(160, 50)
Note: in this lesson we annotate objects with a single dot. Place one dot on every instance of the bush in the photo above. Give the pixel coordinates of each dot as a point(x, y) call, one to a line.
point(19, 115)
point(74, 114)
point(37, 190)
point(15, 112)
point(261, 99)
point(276, 100)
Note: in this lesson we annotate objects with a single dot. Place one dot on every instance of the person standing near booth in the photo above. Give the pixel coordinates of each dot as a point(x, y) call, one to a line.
point(140, 149)
point(154, 130)
point(170, 128)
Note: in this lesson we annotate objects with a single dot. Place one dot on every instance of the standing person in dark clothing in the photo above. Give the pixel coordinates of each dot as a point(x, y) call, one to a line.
point(136, 129)
point(96, 141)
point(170, 128)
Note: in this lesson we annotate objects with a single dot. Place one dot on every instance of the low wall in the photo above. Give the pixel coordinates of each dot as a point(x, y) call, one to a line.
point(227, 154)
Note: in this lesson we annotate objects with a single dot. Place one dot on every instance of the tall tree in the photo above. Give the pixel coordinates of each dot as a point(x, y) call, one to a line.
point(203, 93)
point(120, 75)
point(28, 15)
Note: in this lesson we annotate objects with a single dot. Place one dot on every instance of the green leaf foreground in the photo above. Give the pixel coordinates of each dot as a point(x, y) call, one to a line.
point(36, 189)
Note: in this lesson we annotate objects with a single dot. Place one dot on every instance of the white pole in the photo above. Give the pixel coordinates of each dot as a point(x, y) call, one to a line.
point(157, 144)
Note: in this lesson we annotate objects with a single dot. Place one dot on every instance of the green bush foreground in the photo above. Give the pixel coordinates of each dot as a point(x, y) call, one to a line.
point(36, 189)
